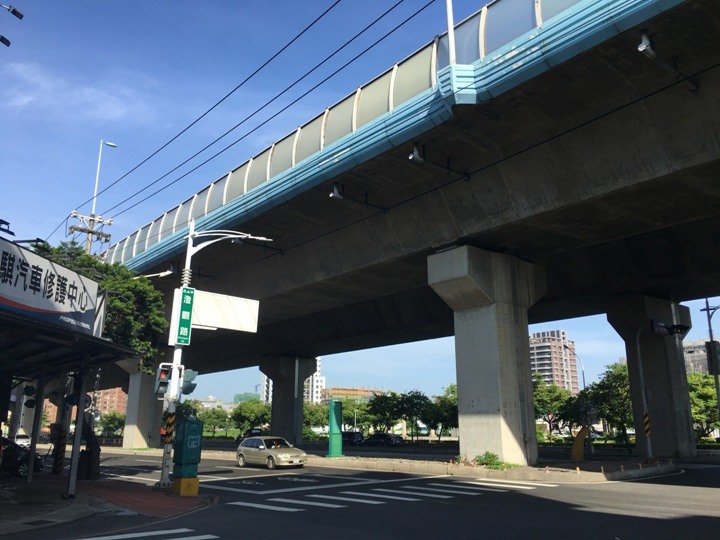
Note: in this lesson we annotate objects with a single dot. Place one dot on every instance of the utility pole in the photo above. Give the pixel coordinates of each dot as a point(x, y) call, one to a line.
point(87, 223)
point(711, 349)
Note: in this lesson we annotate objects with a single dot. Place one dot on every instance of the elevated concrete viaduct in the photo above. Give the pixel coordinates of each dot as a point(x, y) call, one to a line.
point(589, 185)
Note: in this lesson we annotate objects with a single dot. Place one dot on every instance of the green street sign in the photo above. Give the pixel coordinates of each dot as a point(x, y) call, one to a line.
point(187, 295)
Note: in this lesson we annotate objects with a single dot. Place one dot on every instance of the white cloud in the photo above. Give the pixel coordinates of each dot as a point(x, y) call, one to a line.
point(32, 89)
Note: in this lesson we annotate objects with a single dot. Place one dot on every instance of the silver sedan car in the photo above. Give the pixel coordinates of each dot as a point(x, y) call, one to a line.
point(269, 451)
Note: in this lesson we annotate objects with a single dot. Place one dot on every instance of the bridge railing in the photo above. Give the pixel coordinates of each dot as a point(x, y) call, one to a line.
point(489, 30)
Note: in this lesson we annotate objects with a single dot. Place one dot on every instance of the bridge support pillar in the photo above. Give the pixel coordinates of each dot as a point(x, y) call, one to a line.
point(288, 375)
point(656, 366)
point(144, 413)
point(490, 294)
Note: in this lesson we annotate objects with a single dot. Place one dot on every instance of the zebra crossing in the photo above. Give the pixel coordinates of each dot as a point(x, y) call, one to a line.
point(366, 494)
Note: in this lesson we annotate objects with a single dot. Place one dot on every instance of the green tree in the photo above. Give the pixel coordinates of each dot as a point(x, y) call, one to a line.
point(251, 413)
point(384, 411)
point(135, 314)
point(703, 404)
point(355, 413)
point(315, 415)
point(611, 397)
point(548, 399)
point(412, 406)
point(443, 414)
point(113, 423)
point(213, 419)
point(577, 410)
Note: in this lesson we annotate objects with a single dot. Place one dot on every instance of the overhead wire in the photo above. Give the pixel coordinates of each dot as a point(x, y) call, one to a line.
point(208, 111)
point(254, 113)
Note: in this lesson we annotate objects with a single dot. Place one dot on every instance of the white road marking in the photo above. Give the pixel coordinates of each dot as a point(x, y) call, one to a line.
point(418, 493)
point(446, 489)
point(142, 534)
point(349, 499)
point(267, 507)
point(310, 503)
point(506, 483)
point(378, 495)
point(473, 487)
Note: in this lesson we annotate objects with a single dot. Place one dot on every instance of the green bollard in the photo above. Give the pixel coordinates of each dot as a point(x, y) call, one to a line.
point(335, 425)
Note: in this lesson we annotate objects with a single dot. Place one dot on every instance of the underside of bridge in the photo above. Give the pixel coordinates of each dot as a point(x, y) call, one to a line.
point(602, 171)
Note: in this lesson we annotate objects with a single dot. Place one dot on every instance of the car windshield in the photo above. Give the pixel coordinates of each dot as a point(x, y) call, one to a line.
point(276, 443)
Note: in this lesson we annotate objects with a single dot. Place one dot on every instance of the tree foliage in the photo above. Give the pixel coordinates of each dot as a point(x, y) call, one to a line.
point(213, 419)
point(113, 423)
point(384, 411)
point(355, 413)
point(315, 415)
point(412, 407)
point(135, 313)
point(611, 397)
point(703, 404)
point(548, 399)
point(251, 413)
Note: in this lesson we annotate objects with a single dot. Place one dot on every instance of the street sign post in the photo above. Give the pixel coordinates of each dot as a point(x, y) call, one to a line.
point(184, 327)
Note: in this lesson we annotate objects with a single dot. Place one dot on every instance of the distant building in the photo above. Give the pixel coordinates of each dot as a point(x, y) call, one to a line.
point(112, 399)
point(552, 355)
point(313, 390)
point(695, 357)
point(211, 402)
point(359, 394)
point(245, 396)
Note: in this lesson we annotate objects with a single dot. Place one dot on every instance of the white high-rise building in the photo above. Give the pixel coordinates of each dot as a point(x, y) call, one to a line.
point(313, 390)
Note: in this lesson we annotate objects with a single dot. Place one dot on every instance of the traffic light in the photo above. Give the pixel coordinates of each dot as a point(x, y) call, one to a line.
point(162, 379)
point(188, 377)
point(711, 348)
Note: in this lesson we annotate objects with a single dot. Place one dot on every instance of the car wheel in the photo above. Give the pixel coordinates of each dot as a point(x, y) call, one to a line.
point(241, 460)
point(22, 469)
point(270, 463)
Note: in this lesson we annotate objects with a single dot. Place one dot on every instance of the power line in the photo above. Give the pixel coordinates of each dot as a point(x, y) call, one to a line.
point(272, 117)
point(257, 111)
point(203, 115)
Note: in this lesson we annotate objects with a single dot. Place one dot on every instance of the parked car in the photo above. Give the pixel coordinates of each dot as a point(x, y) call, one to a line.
point(15, 459)
point(269, 451)
point(22, 440)
point(352, 437)
point(383, 439)
point(252, 432)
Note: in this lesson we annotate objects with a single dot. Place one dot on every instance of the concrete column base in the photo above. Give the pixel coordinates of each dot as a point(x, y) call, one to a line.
point(658, 361)
point(288, 375)
point(490, 294)
point(144, 413)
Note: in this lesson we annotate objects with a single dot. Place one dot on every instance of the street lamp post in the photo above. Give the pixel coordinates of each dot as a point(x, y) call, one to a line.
point(712, 360)
point(582, 365)
point(206, 238)
point(91, 221)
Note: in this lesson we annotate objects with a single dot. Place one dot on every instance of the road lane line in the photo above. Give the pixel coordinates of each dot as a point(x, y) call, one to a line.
point(379, 496)
point(310, 503)
point(349, 499)
point(473, 488)
point(267, 507)
point(447, 489)
point(506, 483)
point(141, 534)
point(418, 493)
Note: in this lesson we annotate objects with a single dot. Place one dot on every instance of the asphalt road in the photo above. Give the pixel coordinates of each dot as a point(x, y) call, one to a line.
point(323, 503)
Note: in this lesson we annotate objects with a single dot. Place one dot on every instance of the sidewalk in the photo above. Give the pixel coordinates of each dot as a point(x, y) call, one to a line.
point(26, 506)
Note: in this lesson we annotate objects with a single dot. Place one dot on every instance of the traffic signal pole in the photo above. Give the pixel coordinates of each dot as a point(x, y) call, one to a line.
point(176, 386)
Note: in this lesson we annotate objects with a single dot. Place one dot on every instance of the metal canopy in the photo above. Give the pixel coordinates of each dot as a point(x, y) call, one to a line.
point(29, 348)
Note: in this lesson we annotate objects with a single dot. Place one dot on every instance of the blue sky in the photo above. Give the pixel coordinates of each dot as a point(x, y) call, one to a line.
point(137, 72)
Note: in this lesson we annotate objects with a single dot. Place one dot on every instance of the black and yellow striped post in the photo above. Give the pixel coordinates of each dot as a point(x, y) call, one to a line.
point(169, 429)
point(646, 424)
